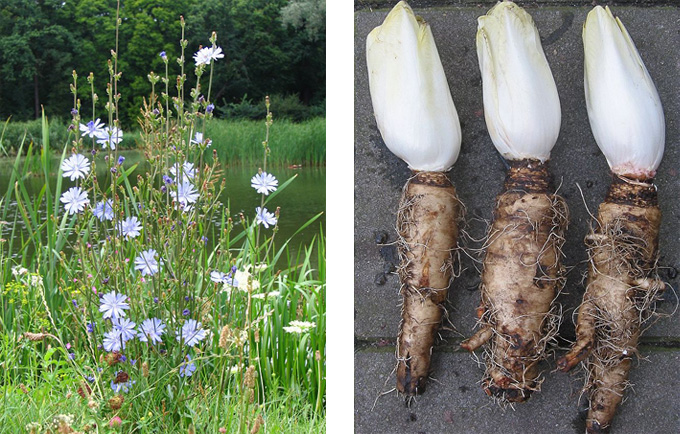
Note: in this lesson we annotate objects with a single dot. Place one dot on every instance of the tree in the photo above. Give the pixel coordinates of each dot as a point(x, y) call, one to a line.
point(36, 50)
point(309, 15)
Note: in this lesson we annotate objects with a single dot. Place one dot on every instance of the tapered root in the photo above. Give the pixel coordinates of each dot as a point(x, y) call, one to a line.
point(621, 290)
point(478, 339)
point(521, 278)
point(428, 231)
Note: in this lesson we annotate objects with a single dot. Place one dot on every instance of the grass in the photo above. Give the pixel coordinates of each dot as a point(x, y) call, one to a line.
point(236, 142)
point(295, 143)
point(43, 402)
point(250, 369)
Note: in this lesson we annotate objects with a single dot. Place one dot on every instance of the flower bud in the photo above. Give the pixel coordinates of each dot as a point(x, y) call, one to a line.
point(624, 109)
point(521, 105)
point(411, 98)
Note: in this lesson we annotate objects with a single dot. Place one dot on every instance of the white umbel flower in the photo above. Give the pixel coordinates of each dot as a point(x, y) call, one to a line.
point(411, 98)
point(624, 108)
point(521, 105)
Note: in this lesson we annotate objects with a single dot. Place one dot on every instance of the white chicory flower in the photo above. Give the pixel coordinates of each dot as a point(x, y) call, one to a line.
point(521, 105)
point(411, 98)
point(624, 108)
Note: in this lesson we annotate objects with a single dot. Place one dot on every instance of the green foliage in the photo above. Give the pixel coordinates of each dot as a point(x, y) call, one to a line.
point(307, 14)
point(287, 107)
point(37, 51)
point(42, 42)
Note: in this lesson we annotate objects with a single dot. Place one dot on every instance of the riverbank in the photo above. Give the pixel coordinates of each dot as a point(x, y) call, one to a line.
point(236, 142)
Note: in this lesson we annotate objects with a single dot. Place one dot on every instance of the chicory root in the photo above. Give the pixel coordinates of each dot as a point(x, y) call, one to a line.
point(428, 232)
point(418, 121)
point(627, 121)
point(621, 288)
point(522, 271)
point(521, 278)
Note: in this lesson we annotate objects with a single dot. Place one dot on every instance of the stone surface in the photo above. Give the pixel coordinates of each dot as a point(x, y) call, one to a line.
point(583, 177)
point(455, 402)
point(578, 166)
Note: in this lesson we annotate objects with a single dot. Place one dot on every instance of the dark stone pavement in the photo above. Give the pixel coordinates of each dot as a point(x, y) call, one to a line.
point(454, 401)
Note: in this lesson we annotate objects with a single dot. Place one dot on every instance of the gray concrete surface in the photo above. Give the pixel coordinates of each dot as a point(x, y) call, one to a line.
point(455, 402)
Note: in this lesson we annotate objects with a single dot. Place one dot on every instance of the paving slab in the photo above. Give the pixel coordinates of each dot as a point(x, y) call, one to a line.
point(577, 164)
point(455, 403)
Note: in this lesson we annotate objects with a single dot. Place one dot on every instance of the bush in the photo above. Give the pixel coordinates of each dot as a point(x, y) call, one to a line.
point(14, 133)
point(287, 107)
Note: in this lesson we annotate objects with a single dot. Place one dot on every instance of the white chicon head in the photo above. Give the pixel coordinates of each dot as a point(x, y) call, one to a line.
point(411, 98)
point(521, 105)
point(624, 108)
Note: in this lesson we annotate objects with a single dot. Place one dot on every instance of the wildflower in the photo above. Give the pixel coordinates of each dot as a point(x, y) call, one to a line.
point(122, 387)
point(230, 281)
point(163, 56)
point(113, 341)
point(186, 369)
point(75, 303)
point(121, 377)
point(186, 312)
point(19, 271)
point(198, 140)
point(191, 332)
point(110, 137)
point(201, 57)
point(271, 294)
point(186, 193)
point(130, 227)
point(74, 200)
point(299, 327)
point(151, 329)
point(84, 390)
point(36, 280)
point(264, 217)
point(116, 402)
point(104, 210)
point(115, 422)
point(303, 324)
point(92, 129)
point(207, 54)
point(216, 53)
point(210, 108)
point(90, 327)
point(146, 263)
point(218, 276)
point(75, 167)
point(125, 327)
point(264, 183)
point(187, 170)
point(62, 423)
point(120, 160)
point(113, 305)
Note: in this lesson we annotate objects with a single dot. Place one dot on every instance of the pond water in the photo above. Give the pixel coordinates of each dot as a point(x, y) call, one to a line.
point(300, 201)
